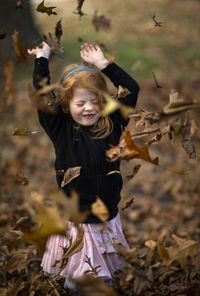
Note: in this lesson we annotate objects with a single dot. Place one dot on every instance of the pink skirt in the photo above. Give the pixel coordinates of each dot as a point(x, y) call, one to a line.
point(97, 245)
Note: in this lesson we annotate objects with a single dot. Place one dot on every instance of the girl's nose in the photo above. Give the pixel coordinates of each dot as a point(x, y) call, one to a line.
point(88, 106)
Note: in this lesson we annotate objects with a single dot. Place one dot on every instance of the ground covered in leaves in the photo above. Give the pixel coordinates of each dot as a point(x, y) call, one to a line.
point(160, 206)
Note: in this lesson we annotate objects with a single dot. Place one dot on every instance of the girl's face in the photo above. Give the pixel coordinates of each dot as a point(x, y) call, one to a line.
point(84, 107)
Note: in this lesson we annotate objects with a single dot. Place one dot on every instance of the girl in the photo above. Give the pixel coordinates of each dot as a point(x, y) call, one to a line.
point(81, 137)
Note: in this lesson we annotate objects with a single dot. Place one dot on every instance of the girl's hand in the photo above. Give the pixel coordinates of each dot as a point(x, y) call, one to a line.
point(93, 56)
point(43, 51)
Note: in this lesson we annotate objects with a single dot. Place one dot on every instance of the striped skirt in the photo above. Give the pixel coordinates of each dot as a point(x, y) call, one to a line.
point(97, 245)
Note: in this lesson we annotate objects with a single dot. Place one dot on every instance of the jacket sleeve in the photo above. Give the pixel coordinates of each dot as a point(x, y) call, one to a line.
point(51, 122)
point(119, 77)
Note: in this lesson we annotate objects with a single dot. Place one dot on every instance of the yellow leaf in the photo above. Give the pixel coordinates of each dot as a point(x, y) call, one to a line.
point(45, 217)
point(100, 210)
point(113, 172)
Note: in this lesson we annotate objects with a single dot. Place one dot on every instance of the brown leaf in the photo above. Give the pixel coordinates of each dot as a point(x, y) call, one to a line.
point(185, 248)
point(93, 270)
point(70, 174)
point(178, 104)
point(122, 92)
point(135, 171)
point(22, 132)
point(17, 262)
point(79, 8)
point(91, 286)
point(101, 22)
point(53, 42)
point(128, 204)
point(45, 226)
point(9, 85)
point(44, 9)
point(20, 177)
point(187, 141)
point(71, 206)
point(99, 209)
point(113, 172)
point(155, 139)
point(58, 30)
point(73, 248)
point(60, 172)
point(22, 54)
point(130, 150)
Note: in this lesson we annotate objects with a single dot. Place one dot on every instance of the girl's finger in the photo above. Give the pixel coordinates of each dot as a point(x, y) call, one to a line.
point(91, 47)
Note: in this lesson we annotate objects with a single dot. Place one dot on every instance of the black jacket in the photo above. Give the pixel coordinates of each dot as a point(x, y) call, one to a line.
point(75, 147)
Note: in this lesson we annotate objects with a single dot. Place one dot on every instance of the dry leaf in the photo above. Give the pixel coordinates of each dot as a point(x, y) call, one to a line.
point(17, 262)
point(122, 92)
point(53, 42)
point(101, 22)
point(187, 141)
point(22, 132)
point(112, 105)
point(9, 85)
point(93, 270)
point(177, 104)
point(45, 226)
point(135, 171)
point(185, 248)
point(79, 8)
point(130, 150)
point(20, 177)
point(44, 9)
point(70, 174)
point(58, 30)
point(113, 172)
point(128, 204)
point(22, 54)
point(73, 248)
point(99, 209)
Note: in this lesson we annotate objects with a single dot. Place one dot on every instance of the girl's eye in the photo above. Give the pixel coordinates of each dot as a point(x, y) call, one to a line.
point(95, 102)
point(80, 104)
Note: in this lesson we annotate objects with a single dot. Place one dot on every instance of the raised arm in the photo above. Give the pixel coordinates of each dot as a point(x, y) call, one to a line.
point(118, 76)
point(50, 122)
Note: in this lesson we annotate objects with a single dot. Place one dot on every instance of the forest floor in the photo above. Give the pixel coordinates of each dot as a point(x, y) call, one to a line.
point(162, 224)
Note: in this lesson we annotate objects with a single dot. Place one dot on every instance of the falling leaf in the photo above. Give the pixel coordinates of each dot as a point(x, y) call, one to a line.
point(157, 24)
point(44, 9)
point(45, 226)
point(177, 104)
point(58, 30)
point(70, 174)
point(99, 209)
point(155, 139)
point(128, 204)
point(101, 22)
point(23, 132)
point(20, 177)
point(112, 105)
point(130, 150)
point(135, 171)
point(60, 172)
point(185, 248)
point(22, 54)
point(79, 8)
point(9, 85)
point(113, 172)
point(53, 42)
point(122, 92)
point(187, 141)
point(20, 4)
point(71, 205)
point(73, 248)
point(156, 82)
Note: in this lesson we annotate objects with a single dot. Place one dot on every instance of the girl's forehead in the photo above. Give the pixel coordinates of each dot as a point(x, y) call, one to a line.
point(82, 93)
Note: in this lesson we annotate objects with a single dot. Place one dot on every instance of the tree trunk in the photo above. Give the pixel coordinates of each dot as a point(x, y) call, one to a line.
point(20, 19)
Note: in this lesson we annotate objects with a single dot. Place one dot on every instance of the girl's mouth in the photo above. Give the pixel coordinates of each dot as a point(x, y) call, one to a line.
point(89, 116)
